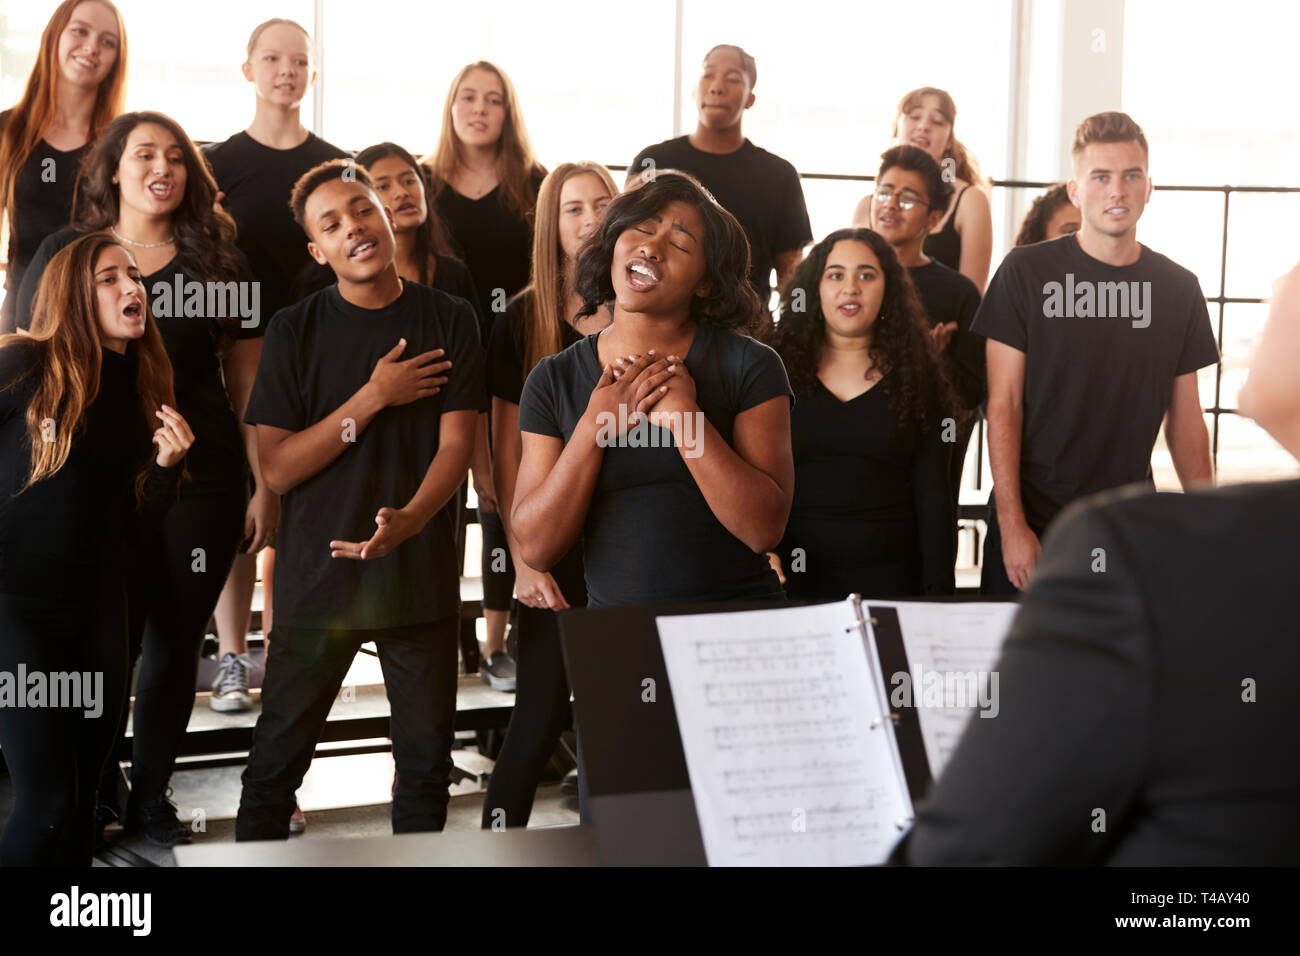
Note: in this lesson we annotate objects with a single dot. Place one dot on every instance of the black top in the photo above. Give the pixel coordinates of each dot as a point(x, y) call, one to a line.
point(317, 354)
point(759, 188)
point(505, 358)
point(650, 537)
point(505, 380)
point(948, 296)
point(1158, 687)
point(870, 511)
point(43, 192)
point(495, 243)
point(217, 463)
point(1097, 383)
point(61, 531)
point(258, 181)
point(945, 245)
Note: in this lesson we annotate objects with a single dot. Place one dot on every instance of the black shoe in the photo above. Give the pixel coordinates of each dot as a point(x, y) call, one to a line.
point(156, 821)
point(498, 672)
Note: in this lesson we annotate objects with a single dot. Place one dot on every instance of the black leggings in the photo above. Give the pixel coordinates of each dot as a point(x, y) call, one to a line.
point(541, 711)
point(498, 568)
point(55, 754)
point(174, 591)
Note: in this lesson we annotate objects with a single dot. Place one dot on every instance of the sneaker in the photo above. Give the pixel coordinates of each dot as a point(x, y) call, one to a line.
point(230, 689)
point(569, 785)
point(298, 821)
point(498, 672)
point(156, 821)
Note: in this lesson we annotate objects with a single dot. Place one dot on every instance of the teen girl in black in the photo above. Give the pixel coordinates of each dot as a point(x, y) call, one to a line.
point(484, 180)
point(542, 320)
point(146, 184)
point(78, 398)
point(77, 85)
point(871, 511)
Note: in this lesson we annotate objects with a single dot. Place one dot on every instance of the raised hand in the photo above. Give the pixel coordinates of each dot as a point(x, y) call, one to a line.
point(173, 438)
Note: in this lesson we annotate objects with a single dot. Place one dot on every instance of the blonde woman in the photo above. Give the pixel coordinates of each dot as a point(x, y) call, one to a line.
point(542, 320)
point(963, 239)
point(484, 180)
point(76, 87)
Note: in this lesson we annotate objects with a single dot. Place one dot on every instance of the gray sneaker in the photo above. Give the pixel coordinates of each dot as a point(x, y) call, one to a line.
point(230, 689)
point(498, 672)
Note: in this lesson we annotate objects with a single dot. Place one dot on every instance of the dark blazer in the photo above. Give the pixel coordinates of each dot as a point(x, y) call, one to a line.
point(1128, 691)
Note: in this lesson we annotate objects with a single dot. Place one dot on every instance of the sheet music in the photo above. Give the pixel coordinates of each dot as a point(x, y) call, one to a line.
point(950, 640)
point(775, 709)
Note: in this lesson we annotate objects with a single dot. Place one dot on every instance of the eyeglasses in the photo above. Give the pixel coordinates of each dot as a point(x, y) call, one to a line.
point(906, 200)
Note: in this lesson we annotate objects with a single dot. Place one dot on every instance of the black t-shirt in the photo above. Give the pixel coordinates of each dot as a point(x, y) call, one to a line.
point(760, 189)
point(216, 464)
point(495, 243)
point(43, 192)
point(62, 531)
point(948, 296)
point(870, 512)
point(505, 358)
point(505, 380)
point(258, 181)
point(1099, 370)
point(317, 354)
point(650, 536)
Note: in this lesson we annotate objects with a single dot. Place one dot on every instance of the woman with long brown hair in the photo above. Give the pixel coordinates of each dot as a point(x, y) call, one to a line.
point(146, 184)
point(76, 87)
point(542, 320)
point(484, 179)
point(78, 396)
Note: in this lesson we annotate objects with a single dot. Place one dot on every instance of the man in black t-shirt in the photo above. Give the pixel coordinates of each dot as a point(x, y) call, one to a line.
point(366, 433)
point(1093, 339)
point(910, 198)
point(760, 189)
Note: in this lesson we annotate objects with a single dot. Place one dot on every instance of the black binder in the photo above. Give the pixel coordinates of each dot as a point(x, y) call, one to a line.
point(641, 804)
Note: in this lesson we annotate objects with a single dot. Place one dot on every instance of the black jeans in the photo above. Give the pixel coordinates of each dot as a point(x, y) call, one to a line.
point(55, 754)
point(304, 672)
point(993, 571)
point(173, 595)
point(541, 711)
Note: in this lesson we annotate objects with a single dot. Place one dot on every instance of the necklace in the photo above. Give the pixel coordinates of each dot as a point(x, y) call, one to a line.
point(142, 245)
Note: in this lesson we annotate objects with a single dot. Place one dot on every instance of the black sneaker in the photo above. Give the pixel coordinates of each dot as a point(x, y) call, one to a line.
point(156, 821)
point(498, 672)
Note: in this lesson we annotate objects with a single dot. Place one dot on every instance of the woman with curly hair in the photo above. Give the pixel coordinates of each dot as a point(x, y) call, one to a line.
point(1050, 217)
point(662, 440)
point(870, 511)
point(146, 184)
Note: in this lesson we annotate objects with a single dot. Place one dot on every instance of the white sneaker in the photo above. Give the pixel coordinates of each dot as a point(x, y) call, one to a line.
point(230, 689)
